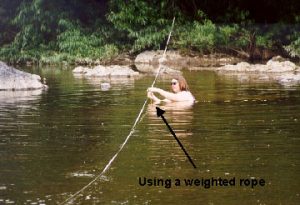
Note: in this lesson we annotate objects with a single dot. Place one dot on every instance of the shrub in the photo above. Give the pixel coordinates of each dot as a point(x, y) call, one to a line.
point(74, 41)
point(294, 48)
point(197, 36)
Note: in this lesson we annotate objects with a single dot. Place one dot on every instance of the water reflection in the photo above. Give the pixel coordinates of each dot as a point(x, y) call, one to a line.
point(180, 111)
point(286, 79)
point(12, 97)
point(180, 116)
point(105, 83)
point(251, 77)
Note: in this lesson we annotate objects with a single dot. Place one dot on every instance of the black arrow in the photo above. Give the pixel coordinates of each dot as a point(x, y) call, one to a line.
point(160, 113)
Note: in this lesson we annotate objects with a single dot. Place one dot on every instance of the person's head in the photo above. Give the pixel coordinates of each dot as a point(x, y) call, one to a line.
point(178, 84)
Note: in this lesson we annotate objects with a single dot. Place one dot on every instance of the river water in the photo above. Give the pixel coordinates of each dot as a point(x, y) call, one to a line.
point(54, 142)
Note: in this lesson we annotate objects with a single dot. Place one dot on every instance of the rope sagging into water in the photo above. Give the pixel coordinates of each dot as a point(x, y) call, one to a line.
point(74, 196)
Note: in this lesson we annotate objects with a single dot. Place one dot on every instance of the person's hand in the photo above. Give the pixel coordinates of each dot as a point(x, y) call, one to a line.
point(150, 90)
point(150, 95)
point(153, 89)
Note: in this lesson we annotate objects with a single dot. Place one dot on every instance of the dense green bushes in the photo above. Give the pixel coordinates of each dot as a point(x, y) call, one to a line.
point(293, 44)
point(207, 37)
point(98, 30)
point(145, 25)
point(74, 41)
point(294, 48)
point(197, 36)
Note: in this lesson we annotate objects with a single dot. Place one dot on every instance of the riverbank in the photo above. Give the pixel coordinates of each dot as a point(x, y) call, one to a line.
point(119, 32)
point(277, 69)
point(176, 57)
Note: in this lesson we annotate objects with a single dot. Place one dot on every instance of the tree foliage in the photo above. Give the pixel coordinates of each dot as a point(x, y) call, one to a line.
point(66, 30)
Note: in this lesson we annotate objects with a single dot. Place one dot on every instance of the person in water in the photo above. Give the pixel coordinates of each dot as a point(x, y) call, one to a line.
point(180, 92)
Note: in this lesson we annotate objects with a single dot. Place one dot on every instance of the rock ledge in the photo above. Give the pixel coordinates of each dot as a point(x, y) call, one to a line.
point(14, 79)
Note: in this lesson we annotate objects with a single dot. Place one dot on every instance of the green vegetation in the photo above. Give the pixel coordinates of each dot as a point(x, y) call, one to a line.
point(64, 31)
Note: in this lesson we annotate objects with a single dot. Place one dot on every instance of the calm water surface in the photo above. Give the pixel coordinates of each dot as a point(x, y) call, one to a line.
point(52, 143)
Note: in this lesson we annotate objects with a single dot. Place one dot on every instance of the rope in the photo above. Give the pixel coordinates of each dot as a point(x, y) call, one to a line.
point(74, 196)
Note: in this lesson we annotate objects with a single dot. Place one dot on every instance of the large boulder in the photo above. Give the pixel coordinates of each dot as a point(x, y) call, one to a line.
point(13, 79)
point(105, 71)
point(278, 64)
point(151, 69)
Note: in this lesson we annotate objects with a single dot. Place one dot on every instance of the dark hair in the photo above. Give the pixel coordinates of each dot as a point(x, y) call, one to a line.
point(183, 86)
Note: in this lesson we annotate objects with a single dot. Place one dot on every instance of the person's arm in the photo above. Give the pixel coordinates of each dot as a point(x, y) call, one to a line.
point(167, 95)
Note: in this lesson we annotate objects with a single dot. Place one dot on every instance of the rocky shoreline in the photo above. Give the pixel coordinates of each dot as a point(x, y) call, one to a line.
point(276, 69)
point(279, 69)
point(176, 60)
point(148, 62)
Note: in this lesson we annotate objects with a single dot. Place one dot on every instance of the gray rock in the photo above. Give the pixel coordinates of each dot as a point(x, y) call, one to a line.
point(106, 83)
point(277, 69)
point(81, 70)
point(278, 58)
point(281, 66)
point(13, 79)
point(103, 71)
point(275, 65)
point(105, 86)
point(148, 57)
point(152, 69)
